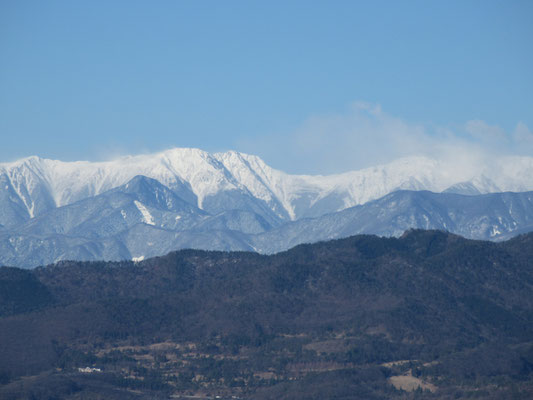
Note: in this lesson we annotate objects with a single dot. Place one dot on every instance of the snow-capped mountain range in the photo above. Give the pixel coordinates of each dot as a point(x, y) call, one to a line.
point(182, 197)
point(33, 185)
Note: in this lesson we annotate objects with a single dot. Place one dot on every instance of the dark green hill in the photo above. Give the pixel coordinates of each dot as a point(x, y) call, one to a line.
point(361, 317)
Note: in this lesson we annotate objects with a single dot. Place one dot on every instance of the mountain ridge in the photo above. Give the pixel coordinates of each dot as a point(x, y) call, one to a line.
point(132, 223)
point(147, 205)
point(213, 181)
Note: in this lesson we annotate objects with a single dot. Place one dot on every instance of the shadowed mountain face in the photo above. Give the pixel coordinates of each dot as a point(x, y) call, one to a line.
point(361, 317)
point(118, 210)
point(493, 216)
point(144, 218)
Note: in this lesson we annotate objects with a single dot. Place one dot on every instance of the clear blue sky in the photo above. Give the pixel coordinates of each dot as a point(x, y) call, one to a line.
point(92, 79)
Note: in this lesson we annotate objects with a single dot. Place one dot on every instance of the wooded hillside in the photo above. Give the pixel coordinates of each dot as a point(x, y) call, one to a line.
point(357, 318)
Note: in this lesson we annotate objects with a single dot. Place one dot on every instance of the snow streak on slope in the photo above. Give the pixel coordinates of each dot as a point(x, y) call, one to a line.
point(223, 181)
point(147, 217)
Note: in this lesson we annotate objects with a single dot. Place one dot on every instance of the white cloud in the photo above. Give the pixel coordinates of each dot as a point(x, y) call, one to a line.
point(523, 137)
point(483, 132)
point(365, 135)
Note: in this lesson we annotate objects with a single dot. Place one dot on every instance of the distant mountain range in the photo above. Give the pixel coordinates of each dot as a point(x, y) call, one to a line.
point(148, 205)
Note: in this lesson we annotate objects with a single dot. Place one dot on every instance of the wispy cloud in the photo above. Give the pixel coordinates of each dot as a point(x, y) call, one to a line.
point(483, 132)
point(365, 135)
point(523, 139)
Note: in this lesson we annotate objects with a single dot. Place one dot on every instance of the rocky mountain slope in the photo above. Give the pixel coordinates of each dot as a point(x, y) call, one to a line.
point(222, 181)
point(148, 205)
point(493, 216)
point(144, 219)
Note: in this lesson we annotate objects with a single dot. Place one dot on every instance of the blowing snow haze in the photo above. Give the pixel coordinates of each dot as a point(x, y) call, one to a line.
point(364, 135)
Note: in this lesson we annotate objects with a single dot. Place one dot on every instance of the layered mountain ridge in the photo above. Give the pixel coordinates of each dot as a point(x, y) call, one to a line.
point(35, 185)
point(148, 205)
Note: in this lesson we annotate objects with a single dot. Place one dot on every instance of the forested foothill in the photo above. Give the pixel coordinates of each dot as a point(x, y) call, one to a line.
point(428, 315)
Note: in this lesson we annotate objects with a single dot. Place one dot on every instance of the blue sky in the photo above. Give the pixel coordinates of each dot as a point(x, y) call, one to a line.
point(310, 86)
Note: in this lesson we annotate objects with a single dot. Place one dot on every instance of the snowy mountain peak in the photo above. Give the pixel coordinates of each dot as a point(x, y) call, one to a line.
point(218, 182)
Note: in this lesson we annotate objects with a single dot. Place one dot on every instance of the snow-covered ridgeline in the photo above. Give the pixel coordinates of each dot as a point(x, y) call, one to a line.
point(37, 185)
point(358, 187)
